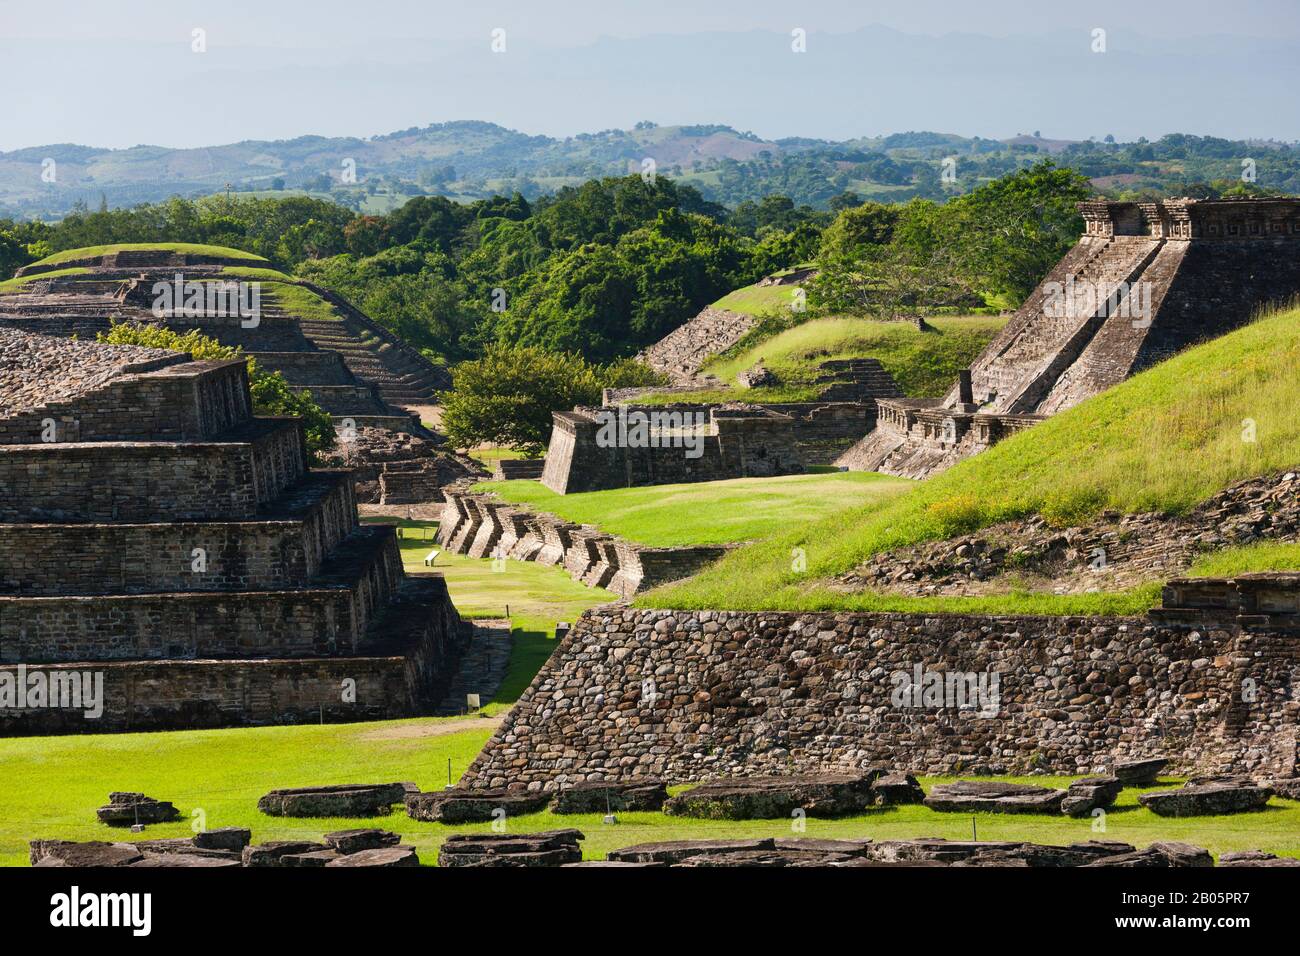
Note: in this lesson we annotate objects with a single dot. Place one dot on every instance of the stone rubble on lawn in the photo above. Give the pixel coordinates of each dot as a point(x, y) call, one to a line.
point(128, 809)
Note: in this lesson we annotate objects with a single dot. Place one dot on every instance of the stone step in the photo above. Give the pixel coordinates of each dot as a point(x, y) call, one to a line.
point(482, 667)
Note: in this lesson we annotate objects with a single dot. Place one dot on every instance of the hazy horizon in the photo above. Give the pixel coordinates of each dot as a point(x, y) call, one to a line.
point(131, 76)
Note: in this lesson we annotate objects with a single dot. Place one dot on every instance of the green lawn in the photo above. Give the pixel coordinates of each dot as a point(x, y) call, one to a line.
point(50, 787)
point(1165, 439)
point(192, 248)
point(712, 512)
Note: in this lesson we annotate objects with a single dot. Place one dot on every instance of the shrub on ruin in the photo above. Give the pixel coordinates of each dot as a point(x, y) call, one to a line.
point(506, 397)
point(270, 391)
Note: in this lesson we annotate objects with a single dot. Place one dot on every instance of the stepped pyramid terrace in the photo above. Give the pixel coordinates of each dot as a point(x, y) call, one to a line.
point(365, 377)
point(1144, 281)
point(159, 537)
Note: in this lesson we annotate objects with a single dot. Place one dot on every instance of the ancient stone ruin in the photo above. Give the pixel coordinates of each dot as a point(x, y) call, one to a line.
point(681, 354)
point(624, 443)
point(231, 847)
point(484, 526)
point(355, 369)
point(1145, 281)
point(696, 695)
point(168, 559)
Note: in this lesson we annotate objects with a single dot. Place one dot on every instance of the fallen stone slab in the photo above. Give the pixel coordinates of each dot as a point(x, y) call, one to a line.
point(751, 858)
point(354, 841)
point(932, 850)
point(988, 796)
point(1207, 799)
point(316, 858)
point(1256, 858)
point(183, 848)
point(473, 806)
point(92, 853)
point(674, 851)
point(611, 863)
point(993, 853)
point(128, 809)
point(765, 798)
point(346, 800)
point(224, 838)
point(1286, 787)
point(1139, 773)
point(1090, 793)
point(561, 857)
point(599, 796)
point(545, 848)
point(1159, 855)
point(187, 860)
point(896, 789)
point(383, 856)
point(813, 845)
point(269, 854)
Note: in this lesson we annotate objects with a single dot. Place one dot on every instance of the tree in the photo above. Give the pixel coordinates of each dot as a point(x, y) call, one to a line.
point(506, 397)
point(270, 392)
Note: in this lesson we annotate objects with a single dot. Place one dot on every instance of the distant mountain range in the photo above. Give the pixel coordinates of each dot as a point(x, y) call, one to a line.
point(467, 160)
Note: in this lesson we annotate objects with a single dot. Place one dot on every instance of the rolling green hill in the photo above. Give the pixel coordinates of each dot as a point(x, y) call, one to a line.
point(1164, 440)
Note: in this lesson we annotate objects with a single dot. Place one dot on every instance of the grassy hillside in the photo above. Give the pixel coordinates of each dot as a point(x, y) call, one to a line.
point(924, 364)
point(714, 512)
point(191, 248)
point(757, 300)
point(1164, 440)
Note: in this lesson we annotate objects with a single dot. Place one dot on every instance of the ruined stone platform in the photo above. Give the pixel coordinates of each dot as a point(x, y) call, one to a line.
point(169, 542)
point(761, 798)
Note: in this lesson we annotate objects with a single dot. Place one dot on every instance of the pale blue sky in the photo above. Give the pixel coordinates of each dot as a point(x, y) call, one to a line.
point(123, 73)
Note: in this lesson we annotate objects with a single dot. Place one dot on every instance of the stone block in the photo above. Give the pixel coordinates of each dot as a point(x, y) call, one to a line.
point(598, 796)
point(758, 798)
point(987, 796)
point(1207, 799)
point(473, 806)
point(346, 800)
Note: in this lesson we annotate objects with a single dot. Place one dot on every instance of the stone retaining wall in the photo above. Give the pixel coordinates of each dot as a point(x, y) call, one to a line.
point(689, 695)
point(483, 526)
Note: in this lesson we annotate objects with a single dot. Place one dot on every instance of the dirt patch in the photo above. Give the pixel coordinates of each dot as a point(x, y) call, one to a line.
point(439, 729)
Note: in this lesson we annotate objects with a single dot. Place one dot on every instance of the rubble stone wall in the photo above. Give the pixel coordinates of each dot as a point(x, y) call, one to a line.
point(688, 695)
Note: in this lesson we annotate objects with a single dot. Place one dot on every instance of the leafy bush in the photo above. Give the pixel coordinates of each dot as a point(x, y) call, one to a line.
point(507, 396)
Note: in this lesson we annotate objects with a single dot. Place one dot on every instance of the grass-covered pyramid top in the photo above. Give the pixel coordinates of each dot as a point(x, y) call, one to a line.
point(95, 255)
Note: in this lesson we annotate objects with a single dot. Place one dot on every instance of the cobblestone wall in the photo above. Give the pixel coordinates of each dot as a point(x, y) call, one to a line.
point(690, 695)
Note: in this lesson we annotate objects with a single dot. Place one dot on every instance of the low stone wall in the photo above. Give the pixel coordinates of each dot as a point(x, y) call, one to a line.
point(692, 695)
point(732, 442)
point(483, 526)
